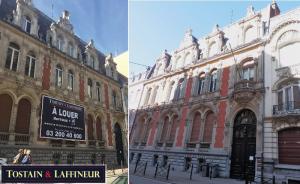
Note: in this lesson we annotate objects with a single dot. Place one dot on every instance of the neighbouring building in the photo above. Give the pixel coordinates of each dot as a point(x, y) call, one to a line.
point(230, 98)
point(42, 57)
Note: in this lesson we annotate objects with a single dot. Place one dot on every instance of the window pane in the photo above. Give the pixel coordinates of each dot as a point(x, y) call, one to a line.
point(297, 96)
point(15, 60)
point(28, 26)
point(246, 74)
point(251, 74)
point(27, 65)
point(32, 68)
point(8, 58)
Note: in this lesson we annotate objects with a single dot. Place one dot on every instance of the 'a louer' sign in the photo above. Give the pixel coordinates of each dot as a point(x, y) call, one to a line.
point(61, 120)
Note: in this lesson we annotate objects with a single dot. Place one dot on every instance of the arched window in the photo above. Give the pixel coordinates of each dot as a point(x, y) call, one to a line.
point(90, 128)
point(90, 88)
point(169, 91)
point(164, 129)
point(30, 64)
point(99, 129)
point(5, 113)
point(70, 80)
point(173, 128)
point(248, 71)
point(114, 99)
point(213, 81)
point(195, 133)
point(26, 24)
point(289, 54)
point(153, 98)
point(201, 82)
point(250, 34)
point(98, 90)
point(23, 117)
point(58, 76)
point(12, 56)
point(208, 128)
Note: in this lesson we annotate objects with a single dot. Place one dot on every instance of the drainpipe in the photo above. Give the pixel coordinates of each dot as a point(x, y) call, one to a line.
point(263, 116)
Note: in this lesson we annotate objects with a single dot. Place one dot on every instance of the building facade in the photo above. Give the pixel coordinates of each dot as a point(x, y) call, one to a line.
point(229, 98)
point(40, 56)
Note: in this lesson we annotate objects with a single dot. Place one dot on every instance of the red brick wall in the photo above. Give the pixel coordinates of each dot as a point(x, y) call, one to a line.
point(108, 125)
point(154, 122)
point(46, 73)
point(195, 133)
point(225, 79)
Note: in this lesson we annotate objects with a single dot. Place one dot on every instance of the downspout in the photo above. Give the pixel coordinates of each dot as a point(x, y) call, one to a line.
point(263, 116)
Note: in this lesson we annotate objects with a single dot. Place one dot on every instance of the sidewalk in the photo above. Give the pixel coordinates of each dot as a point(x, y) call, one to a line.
point(111, 176)
point(179, 177)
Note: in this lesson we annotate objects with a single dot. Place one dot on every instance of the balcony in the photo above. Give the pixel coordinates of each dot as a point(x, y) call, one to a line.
point(285, 109)
point(4, 137)
point(244, 91)
point(21, 139)
point(288, 71)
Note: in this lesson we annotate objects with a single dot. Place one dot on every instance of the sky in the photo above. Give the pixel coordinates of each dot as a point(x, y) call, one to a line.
point(156, 26)
point(104, 21)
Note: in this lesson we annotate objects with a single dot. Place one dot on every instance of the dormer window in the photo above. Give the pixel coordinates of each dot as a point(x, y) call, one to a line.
point(92, 62)
point(26, 24)
point(71, 50)
point(60, 43)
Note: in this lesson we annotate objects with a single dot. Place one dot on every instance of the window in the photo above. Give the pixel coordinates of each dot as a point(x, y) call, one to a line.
point(71, 50)
point(92, 62)
point(26, 24)
point(114, 99)
point(248, 71)
point(288, 97)
point(147, 96)
point(58, 76)
point(90, 87)
point(30, 64)
point(201, 81)
point(60, 44)
point(180, 89)
point(98, 90)
point(70, 80)
point(213, 81)
point(12, 57)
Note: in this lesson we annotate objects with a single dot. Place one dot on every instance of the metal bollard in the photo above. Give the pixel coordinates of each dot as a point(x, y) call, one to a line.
point(155, 171)
point(145, 168)
point(191, 172)
point(168, 171)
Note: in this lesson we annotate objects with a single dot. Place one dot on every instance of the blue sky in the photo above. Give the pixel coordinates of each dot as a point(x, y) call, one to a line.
point(155, 26)
point(105, 21)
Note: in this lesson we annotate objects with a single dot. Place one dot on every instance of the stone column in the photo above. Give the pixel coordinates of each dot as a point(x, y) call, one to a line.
point(12, 124)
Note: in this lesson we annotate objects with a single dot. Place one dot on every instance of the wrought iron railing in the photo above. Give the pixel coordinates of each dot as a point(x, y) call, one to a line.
point(21, 139)
point(92, 143)
point(290, 107)
point(4, 136)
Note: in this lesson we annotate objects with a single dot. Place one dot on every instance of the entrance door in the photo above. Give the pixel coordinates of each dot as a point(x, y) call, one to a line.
point(119, 144)
point(243, 146)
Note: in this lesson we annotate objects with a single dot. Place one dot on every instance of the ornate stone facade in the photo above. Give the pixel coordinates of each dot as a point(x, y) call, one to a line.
point(44, 57)
point(212, 99)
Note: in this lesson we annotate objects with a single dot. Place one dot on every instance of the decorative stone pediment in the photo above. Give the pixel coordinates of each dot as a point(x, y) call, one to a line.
point(188, 40)
point(64, 22)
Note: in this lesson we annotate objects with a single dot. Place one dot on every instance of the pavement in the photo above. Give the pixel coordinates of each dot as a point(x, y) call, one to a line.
point(112, 176)
point(175, 177)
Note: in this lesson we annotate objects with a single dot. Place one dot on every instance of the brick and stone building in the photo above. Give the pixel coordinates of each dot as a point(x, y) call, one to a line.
point(230, 98)
point(40, 56)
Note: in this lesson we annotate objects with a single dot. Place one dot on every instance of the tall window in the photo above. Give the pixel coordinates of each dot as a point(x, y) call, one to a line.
point(147, 96)
point(180, 89)
point(70, 80)
point(30, 64)
point(59, 76)
point(90, 87)
point(114, 99)
point(92, 62)
point(213, 81)
point(71, 50)
point(201, 81)
point(98, 90)
point(289, 97)
point(60, 43)
point(12, 57)
point(26, 24)
point(248, 71)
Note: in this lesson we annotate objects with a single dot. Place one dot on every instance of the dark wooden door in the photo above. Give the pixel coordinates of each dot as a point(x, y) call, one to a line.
point(288, 146)
point(243, 146)
point(119, 145)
